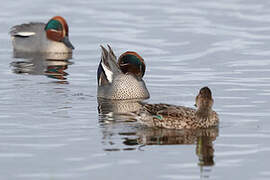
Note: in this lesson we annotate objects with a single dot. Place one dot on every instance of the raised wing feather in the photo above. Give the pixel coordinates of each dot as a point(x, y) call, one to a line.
point(108, 66)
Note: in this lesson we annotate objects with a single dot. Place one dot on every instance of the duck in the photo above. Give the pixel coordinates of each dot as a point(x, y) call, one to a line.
point(181, 117)
point(122, 79)
point(36, 37)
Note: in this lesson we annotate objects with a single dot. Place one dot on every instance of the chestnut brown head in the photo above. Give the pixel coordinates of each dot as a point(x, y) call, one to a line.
point(57, 30)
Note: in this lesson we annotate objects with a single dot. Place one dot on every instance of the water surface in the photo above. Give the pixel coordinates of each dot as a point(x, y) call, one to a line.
point(49, 122)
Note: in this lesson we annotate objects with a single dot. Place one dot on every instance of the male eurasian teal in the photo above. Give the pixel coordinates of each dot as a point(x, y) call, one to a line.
point(122, 80)
point(180, 117)
point(41, 37)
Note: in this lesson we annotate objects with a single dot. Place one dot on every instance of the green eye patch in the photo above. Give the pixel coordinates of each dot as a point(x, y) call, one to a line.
point(54, 24)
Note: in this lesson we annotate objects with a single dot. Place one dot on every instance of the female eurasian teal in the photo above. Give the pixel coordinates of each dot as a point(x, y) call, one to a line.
point(122, 80)
point(41, 37)
point(180, 117)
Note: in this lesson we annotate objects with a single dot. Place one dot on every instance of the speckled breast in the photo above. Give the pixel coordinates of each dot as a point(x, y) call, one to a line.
point(128, 87)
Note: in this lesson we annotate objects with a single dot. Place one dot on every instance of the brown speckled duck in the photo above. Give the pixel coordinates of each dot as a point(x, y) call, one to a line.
point(180, 117)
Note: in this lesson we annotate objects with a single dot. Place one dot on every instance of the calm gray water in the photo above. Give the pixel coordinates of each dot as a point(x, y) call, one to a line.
point(49, 122)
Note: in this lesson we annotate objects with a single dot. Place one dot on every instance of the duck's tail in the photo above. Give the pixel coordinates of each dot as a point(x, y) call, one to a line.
point(108, 66)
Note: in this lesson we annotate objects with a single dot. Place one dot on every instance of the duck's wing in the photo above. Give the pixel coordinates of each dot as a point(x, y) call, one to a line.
point(108, 67)
point(155, 108)
point(26, 30)
point(177, 112)
point(165, 115)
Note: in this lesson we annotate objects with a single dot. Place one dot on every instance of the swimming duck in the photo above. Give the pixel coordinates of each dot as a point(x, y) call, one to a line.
point(123, 79)
point(180, 117)
point(41, 37)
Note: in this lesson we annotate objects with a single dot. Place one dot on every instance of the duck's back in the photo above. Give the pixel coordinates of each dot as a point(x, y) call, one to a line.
point(28, 37)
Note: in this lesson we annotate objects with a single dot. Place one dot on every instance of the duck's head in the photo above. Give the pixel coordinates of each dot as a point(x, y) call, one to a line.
point(133, 63)
point(57, 30)
point(204, 99)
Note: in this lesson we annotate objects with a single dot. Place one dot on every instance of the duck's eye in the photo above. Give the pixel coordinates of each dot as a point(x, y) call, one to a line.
point(54, 25)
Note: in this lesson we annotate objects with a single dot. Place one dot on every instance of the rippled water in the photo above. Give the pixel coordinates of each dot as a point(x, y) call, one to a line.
point(49, 122)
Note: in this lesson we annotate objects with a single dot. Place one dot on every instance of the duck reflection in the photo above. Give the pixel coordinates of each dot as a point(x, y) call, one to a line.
point(112, 115)
point(52, 65)
point(203, 138)
point(118, 109)
point(130, 136)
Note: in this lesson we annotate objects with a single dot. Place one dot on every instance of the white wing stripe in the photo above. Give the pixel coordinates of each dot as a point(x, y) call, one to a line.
point(108, 73)
point(25, 33)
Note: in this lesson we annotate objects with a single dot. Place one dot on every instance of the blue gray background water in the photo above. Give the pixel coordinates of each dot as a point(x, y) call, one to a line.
point(50, 128)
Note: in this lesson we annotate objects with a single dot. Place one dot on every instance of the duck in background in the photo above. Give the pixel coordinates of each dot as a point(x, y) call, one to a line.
point(42, 38)
point(121, 80)
point(180, 117)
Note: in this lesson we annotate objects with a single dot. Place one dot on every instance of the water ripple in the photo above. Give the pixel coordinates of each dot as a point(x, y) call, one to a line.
point(186, 45)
